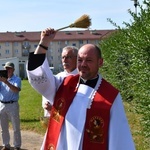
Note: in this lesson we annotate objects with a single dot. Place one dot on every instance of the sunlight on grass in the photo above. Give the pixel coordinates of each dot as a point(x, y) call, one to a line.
point(134, 122)
point(30, 108)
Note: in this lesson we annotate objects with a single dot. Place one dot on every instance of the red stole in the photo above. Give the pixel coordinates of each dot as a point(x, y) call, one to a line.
point(97, 119)
point(63, 99)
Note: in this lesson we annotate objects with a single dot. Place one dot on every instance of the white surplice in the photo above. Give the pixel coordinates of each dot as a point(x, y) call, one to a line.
point(120, 137)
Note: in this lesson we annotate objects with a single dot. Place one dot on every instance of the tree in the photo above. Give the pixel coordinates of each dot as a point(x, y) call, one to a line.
point(127, 61)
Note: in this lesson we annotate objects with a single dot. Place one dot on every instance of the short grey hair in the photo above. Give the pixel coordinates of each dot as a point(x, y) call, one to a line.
point(73, 48)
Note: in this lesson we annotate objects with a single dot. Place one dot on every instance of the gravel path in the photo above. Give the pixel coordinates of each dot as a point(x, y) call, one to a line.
point(30, 140)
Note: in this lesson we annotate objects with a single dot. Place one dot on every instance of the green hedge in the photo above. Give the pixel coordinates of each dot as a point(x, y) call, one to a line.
point(127, 63)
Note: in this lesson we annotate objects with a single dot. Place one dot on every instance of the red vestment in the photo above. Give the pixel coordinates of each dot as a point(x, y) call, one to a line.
point(97, 118)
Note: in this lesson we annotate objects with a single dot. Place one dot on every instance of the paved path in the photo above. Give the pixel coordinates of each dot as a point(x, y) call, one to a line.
point(30, 140)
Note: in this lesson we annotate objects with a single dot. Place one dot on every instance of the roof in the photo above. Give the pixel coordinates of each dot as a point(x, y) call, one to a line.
point(60, 36)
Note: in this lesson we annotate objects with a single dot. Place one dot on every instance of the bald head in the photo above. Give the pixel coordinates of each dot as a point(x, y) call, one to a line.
point(92, 47)
point(89, 61)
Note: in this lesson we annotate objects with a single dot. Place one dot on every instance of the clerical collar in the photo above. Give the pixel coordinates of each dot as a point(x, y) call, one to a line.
point(90, 83)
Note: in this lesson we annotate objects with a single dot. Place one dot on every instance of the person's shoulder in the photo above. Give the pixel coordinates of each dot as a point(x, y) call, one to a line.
point(16, 77)
point(71, 78)
point(108, 91)
point(60, 74)
point(75, 72)
point(109, 85)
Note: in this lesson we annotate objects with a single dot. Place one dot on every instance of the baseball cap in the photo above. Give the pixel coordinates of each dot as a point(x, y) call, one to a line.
point(9, 64)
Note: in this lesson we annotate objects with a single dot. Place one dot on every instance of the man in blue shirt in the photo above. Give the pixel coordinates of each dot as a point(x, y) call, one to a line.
point(9, 107)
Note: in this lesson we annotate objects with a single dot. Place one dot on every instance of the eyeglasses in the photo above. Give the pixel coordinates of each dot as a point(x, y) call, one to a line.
point(67, 57)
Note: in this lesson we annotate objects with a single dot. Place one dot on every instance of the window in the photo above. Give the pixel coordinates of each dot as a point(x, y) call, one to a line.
point(6, 43)
point(96, 42)
point(51, 50)
point(35, 46)
point(66, 42)
point(51, 65)
point(74, 44)
point(60, 50)
point(15, 43)
point(59, 58)
point(25, 52)
point(26, 43)
point(16, 51)
point(80, 41)
point(7, 51)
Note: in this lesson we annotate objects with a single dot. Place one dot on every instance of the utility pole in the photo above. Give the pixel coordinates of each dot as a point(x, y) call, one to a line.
point(135, 5)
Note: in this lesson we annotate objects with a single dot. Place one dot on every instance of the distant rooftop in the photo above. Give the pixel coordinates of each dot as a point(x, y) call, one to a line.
point(61, 35)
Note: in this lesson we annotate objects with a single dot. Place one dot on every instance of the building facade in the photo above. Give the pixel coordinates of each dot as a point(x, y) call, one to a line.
point(20, 44)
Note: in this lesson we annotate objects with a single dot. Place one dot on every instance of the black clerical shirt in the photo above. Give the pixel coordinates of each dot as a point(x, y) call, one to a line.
point(90, 83)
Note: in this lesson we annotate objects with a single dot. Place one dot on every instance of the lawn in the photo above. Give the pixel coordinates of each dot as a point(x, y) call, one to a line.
point(31, 111)
point(30, 108)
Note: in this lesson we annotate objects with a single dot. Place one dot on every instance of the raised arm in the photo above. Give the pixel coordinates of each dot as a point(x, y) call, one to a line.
point(39, 75)
point(47, 35)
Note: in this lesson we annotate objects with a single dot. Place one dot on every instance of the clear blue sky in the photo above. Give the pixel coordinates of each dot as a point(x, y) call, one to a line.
point(36, 15)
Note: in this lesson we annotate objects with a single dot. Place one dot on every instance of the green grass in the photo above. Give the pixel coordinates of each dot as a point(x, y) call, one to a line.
point(135, 126)
point(31, 110)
